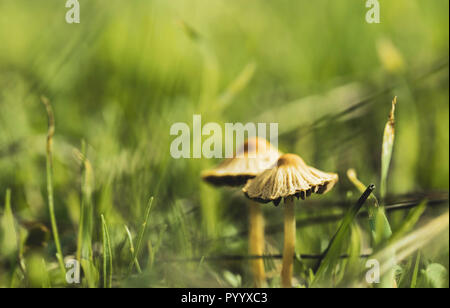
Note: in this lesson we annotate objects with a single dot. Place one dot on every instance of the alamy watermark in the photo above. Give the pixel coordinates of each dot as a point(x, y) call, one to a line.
point(373, 274)
point(373, 14)
point(73, 14)
point(73, 271)
point(213, 146)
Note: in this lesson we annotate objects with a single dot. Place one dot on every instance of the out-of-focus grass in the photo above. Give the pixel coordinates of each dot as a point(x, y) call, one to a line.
point(129, 70)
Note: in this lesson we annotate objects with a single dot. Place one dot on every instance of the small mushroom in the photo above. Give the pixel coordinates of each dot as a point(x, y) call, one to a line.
point(254, 157)
point(290, 178)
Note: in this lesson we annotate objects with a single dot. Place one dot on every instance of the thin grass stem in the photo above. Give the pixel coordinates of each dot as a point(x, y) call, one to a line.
point(49, 165)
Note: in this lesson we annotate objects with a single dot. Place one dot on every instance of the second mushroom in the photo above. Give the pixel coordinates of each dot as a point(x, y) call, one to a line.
point(255, 156)
point(289, 178)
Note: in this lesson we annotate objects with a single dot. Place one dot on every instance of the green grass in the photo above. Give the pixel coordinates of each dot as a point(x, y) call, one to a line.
point(50, 197)
point(118, 80)
point(107, 256)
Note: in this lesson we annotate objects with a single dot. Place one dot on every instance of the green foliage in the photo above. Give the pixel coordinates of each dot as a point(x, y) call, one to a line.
point(118, 81)
point(8, 234)
point(435, 276)
point(334, 249)
point(387, 148)
point(234, 280)
point(49, 172)
point(140, 238)
point(107, 255)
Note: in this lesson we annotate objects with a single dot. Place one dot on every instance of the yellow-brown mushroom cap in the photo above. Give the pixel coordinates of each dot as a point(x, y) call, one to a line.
point(255, 156)
point(289, 177)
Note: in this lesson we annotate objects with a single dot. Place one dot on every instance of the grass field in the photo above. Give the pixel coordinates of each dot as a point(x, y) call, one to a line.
point(133, 216)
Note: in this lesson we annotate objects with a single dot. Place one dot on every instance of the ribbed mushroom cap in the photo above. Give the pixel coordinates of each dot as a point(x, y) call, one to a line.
point(255, 156)
point(290, 177)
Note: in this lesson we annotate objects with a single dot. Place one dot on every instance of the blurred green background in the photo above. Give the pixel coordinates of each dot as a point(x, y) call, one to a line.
point(118, 80)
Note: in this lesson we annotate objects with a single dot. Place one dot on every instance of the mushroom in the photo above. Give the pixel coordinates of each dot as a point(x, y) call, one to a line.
point(255, 156)
point(289, 178)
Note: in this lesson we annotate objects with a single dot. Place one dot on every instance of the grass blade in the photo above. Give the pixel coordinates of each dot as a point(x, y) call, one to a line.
point(371, 206)
point(49, 164)
point(332, 253)
point(9, 239)
point(387, 147)
point(410, 221)
point(382, 234)
point(378, 222)
point(107, 255)
point(141, 233)
point(415, 272)
point(8, 234)
point(84, 242)
point(91, 273)
point(132, 251)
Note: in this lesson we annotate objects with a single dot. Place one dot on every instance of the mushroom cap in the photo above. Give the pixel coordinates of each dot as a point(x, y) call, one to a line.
point(290, 177)
point(255, 156)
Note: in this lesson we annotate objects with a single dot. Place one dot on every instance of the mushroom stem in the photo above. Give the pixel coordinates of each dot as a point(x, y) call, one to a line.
point(256, 243)
point(289, 243)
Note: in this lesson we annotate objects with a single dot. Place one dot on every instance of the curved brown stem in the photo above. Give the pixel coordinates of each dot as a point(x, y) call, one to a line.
point(289, 243)
point(256, 243)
